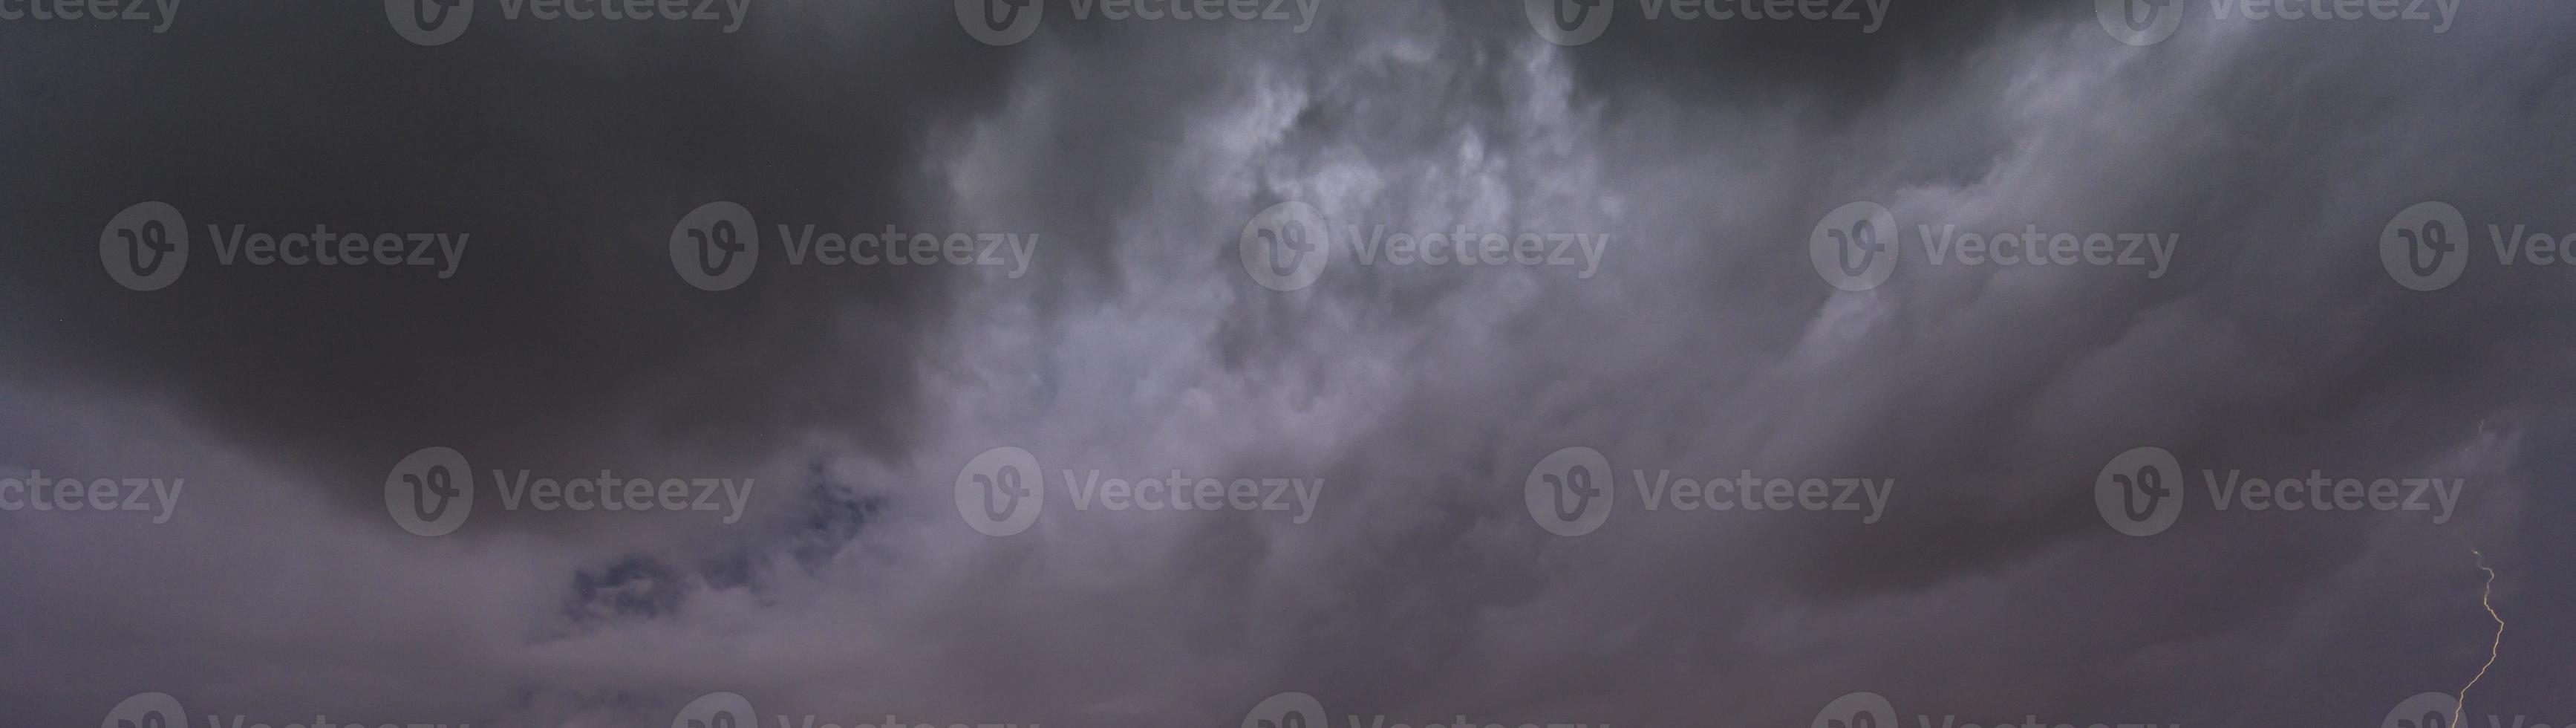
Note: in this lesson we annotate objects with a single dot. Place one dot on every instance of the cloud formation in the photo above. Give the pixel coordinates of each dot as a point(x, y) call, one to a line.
point(1698, 338)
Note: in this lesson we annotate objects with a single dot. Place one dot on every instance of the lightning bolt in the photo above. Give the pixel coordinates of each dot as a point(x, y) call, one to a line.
point(2485, 600)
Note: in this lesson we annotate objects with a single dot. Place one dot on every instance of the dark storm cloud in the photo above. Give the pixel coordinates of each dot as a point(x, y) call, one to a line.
point(566, 151)
point(1987, 394)
point(1422, 589)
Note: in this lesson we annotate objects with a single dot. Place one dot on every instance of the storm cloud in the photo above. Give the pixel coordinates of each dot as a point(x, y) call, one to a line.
point(1675, 314)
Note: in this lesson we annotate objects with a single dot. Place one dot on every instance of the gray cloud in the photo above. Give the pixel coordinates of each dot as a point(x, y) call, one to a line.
point(1421, 395)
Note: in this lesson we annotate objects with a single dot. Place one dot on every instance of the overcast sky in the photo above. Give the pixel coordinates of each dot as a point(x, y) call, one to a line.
point(1085, 368)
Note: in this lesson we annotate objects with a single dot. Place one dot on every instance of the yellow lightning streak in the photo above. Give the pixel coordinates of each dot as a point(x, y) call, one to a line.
point(2484, 595)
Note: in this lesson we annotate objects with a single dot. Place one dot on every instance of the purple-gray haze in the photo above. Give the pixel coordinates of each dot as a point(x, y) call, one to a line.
point(1400, 557)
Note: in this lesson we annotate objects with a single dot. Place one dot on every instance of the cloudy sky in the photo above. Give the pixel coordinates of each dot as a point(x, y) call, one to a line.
point(1321, 362)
